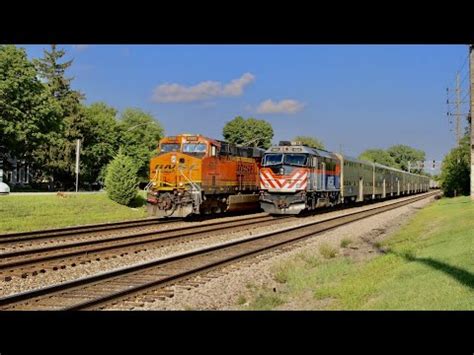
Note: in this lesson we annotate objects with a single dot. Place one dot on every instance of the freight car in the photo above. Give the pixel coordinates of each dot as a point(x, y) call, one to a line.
point(294, 178)
point(193, 174)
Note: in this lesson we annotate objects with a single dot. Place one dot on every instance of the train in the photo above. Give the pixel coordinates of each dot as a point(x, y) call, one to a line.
point(192, 174)
point(295, 178)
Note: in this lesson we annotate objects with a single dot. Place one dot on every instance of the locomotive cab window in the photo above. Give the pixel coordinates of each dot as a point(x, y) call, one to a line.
point(169, 147)
point(272, 159)
point(295, 159)
point(195, 148)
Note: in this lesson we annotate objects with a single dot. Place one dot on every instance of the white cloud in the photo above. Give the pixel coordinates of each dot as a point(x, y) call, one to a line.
point(80, 47)
point(283, 106)
point(201, 91)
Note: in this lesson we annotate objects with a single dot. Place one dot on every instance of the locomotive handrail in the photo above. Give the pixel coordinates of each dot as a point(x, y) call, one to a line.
point(192, 183)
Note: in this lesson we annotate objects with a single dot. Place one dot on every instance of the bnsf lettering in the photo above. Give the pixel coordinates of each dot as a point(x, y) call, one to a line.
point(245, 169)
point(165, 167)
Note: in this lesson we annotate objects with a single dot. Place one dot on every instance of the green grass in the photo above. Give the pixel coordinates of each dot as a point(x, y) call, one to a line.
point(23, 213)
point(428, 265)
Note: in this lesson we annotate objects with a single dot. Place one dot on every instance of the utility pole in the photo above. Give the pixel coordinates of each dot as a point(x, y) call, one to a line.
point(471, 112)
point(78, 149)
point(458, 109)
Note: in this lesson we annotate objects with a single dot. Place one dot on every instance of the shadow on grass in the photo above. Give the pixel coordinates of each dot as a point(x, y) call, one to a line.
point(460, 275)
point(138, 201)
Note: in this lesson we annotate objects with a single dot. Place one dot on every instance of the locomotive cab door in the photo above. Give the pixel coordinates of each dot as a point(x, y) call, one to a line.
point(212, 169)
point(323, 176)
point(314, 180)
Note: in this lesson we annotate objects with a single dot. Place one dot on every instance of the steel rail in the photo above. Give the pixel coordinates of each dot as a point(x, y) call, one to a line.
point(75, 230)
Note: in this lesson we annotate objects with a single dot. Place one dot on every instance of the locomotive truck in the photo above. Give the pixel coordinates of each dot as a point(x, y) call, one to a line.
point(193, 174)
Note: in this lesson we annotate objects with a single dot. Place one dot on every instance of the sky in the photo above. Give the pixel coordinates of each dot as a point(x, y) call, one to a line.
point(353, 97)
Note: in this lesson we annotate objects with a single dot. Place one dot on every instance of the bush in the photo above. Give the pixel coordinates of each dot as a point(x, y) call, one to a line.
point(455, 170)
point(121, 179)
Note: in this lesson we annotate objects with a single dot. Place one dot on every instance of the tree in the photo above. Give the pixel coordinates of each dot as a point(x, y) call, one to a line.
point(53, 73)
point(251, 132)
point(100, 140)
point(455, 171)
point(402, 154)
point(27, 113)
point(121, 181)
point(309, 141)
point(140, 134)
point(57, 156)
point(379, 156)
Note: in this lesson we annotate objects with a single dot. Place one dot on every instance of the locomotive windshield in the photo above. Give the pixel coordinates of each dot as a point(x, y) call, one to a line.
point(273, 159)
point(169, 147)
point(295, 159)
point(195, 148)
point(286, 159)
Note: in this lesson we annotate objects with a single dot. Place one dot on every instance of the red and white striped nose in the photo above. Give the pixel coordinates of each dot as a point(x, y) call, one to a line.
point(297, 180)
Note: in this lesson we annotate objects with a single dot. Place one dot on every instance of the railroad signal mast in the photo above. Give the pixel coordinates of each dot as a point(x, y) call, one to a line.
point(420, 165)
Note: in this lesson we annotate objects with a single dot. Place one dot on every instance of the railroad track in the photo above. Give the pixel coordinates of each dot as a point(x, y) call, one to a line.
point(34, 261)
point(96, 292)
point(74, 231)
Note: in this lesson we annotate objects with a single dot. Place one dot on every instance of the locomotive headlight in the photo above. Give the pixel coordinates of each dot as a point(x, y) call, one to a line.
point(281, 171)
point(181, 183)
point(173, 159)
point(154, 183)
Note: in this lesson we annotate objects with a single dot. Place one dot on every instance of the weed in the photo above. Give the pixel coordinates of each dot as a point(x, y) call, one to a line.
point(241, 300)
point(327, 251)
point(345, 242)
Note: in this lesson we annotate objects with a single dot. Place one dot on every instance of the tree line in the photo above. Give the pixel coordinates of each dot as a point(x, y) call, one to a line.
point(398, 156)
point(41, 117)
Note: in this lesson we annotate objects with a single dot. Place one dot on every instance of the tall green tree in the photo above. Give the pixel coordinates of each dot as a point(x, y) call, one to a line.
point(100, 142)
point(54, 74)
point(455, 171)
point(139, 137)
point(57, 156)
point(251, 132)
point(309, 141)
point(27, 112)
point(379, 156)
point(402, 154)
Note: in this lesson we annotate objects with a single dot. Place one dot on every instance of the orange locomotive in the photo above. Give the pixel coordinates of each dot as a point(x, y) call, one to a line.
point(193, 174)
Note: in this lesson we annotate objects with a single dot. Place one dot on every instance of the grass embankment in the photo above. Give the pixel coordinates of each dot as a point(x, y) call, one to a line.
point(426, 265)
point(24, 213)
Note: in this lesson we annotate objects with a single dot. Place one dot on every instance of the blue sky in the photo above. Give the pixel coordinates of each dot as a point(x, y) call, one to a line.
point(360, 96)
